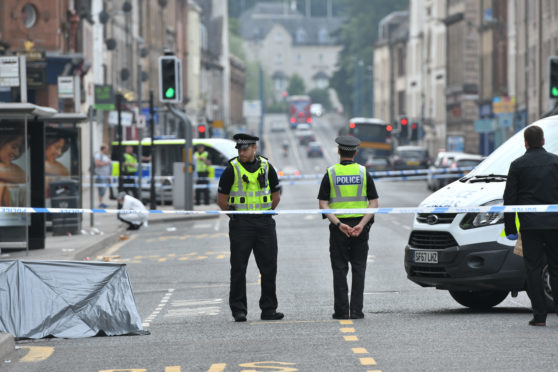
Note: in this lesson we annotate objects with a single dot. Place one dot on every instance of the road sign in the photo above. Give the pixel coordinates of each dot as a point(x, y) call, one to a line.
point(125, 118)
point(65, 87)
point(9, 71)
point(141, 121)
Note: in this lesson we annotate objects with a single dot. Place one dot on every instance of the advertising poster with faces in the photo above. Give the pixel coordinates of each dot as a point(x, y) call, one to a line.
point(61, 157)
point(13, 171)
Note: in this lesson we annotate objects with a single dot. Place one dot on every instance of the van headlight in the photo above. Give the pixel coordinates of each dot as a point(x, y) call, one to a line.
point(474, 220)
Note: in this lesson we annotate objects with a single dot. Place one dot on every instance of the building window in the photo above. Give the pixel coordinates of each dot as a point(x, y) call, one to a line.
point(279, 84)
point(322, 83)
point(278, 38)
point(278, 58)
point(323, 36)
point(300, 35)
point(203, 37)
point(298, 58)
point(321, 57)
point(29, 15)
point(400, 62)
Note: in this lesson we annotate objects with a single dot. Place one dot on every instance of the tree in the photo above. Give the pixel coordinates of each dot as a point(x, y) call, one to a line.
point(296, 85)
point(357, 36)
point(320, 96)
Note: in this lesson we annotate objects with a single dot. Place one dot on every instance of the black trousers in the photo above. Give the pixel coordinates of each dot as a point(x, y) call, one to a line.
point(202, 191)
point(538, 245)
point(131, 226)
point(342, 251)
point(247, 234)
point(129, 184)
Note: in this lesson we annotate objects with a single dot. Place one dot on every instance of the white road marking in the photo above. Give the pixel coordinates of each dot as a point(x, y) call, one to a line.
point(158, 309)
point(201, 226)
point(185, 308)
point(217, 225)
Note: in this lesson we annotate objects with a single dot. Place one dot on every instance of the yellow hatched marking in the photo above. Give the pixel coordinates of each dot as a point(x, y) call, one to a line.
point(277, 366)
point(136, 261)
point(359, 350)
point(351, 338)
point(200, 258)
point(163, 259)
point(201, 236)
point(191, 254)
point(153, 256)
point(125, 370)
point(37, 353)
point(172, 254)
point(348, 330)
point(172, 369)
point(217, 367)
point(220, 257)
point(184, 258)
point(138, 257)
point(345, 322)
point(367, 361)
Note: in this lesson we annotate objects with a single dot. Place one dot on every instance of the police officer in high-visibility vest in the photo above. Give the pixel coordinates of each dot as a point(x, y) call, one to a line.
point(130, 169)
point(202, 168)
point(348, 185)
point(250, 183)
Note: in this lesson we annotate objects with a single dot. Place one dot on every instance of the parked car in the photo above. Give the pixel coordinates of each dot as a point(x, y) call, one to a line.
point(409, 157)
point(468, 254)
point(289, 170)
point(314, 150)
point(449, 161)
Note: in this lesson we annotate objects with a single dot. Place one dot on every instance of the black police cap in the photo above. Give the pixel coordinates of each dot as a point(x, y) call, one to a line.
point(244, 140)
point(348, 143)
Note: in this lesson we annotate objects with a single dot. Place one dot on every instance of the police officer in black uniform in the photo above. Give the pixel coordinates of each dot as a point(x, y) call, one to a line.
point(250, 183)
point(348, 185)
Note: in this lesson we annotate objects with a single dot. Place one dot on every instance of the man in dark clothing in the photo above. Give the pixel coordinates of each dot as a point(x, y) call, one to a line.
point(250, 183)
point(533, 179)
point(348, 185)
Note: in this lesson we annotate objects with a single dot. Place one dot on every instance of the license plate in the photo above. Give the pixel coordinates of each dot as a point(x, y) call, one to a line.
point(411, 162)
point(426, 257)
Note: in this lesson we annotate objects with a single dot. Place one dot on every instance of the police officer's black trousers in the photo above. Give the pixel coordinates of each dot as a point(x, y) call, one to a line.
point(204, 191)
point(129, 184)
point(255, 233)
point(342, 251)
point(539, 245)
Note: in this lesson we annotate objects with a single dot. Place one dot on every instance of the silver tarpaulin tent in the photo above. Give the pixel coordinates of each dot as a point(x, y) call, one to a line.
point(68, 299)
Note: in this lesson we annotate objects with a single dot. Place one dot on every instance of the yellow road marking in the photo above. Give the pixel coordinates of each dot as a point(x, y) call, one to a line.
point(37, 353)
point(367, 361)
point(172, 369)
point(172, 254)
point(125, 370)
point(351, 338)
point(135, 261)
point(268, 365)
point(348, 330)
point(345, 322)
point(184, 258)
point(374, 370)
point(162, 259)
point(221, 256)
point(217, 367)
point(359, 350)
point(115, 247)
point(138, 257)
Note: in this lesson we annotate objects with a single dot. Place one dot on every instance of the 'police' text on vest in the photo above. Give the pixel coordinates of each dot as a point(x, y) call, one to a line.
point(348, 180)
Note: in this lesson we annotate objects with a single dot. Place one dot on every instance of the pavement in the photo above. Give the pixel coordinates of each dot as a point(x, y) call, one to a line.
point(95, 237)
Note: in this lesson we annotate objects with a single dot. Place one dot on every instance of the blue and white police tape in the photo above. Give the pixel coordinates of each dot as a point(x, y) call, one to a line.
point(425, 172)
point(548, 208)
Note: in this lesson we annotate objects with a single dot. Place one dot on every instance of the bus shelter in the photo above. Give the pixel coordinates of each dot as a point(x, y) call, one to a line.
point(23, 164)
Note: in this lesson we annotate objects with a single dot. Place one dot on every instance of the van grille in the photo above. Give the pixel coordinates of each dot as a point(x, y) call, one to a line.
point(431, 240)
point(440, 218)
point(429, 272)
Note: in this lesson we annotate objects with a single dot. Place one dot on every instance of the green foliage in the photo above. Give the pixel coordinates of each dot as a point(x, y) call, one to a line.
point(358, 36)
point(278, 108)
point(296, 85)
point(320, 96)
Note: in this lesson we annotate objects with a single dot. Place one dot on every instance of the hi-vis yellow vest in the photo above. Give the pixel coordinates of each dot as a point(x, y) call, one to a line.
point(249, 195)
point(201, 166)
point(128, 158)
point(347, 188)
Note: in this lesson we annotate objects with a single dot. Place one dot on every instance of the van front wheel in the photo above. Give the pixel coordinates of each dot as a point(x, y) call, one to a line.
point(479, 299)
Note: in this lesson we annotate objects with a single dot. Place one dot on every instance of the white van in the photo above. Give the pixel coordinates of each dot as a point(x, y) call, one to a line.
point(467, 254)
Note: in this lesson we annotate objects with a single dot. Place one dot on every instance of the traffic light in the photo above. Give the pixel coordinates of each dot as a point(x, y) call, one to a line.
point(414, 131)
point(553, 77)
point(403, 127)
point(170, 79)
point(202, 131)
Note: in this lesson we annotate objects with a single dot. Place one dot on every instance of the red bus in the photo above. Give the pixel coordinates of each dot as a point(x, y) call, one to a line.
point(299, 110)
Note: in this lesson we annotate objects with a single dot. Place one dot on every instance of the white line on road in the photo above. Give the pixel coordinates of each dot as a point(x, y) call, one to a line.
point(158, 309)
